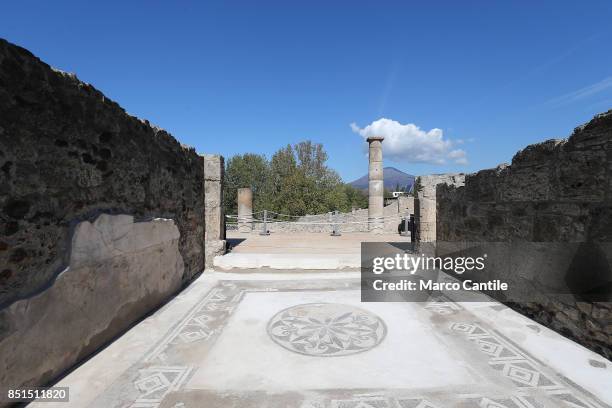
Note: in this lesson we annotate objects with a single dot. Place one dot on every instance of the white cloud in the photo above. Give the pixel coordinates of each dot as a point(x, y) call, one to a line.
point(582, 93)
point(409, 143)
point(459, 156)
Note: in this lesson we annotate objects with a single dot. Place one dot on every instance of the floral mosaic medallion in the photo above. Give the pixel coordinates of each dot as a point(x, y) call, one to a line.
point(326, 329)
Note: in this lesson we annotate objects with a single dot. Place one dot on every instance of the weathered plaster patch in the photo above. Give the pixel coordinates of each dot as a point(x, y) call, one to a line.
point(119, 270)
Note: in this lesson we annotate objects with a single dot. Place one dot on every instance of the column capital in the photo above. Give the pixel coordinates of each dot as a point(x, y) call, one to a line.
point(375, 138)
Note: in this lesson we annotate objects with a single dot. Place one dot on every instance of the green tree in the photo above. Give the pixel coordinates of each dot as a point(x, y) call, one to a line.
point(247, 170)
point(296, 181)
point(355, 197)
point(311, 158)
point(299, 195)
point(282, 165)
point(387, 193)
point(417, 186)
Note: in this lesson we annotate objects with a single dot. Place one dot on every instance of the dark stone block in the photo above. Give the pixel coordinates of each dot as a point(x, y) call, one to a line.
point(553, 192)
point(68, 153)
point(16, 208)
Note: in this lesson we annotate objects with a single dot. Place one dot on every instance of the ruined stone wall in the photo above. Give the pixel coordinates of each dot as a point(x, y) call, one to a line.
point(354, 221)
point(558, 191)
point(67, 155)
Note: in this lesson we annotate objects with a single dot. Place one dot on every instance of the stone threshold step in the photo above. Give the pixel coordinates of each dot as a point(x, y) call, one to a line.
point(288, 261)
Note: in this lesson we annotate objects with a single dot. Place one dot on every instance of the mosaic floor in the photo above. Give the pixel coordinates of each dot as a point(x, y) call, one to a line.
point(326, 329)
point(312, 344)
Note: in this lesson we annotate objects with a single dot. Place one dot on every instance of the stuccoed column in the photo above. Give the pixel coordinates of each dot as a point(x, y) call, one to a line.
point(426, 222)
point(375, 185)
point(245, 210)
point(214, 218)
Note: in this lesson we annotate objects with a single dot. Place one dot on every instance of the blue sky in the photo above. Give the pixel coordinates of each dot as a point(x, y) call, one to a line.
point(234, 77)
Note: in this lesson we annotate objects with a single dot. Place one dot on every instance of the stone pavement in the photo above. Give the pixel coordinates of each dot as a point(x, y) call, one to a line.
point(305, 243)
point(304, 251)
point(304, 340)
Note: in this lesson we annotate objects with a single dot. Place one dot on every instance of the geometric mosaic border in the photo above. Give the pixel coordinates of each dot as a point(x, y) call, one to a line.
point(517, 366)
point(150, 380)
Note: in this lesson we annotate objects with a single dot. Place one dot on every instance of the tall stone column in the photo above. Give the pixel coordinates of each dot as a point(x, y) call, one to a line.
point(245, 210)
point(214, 218)
point(375, 185)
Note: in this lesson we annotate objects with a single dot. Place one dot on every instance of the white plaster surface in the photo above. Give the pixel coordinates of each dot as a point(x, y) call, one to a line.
point(555, 351)
point(426, 356)
point(116, 235)
point(92, 378)
point(245, 358)
point(118, 271)
point(287, 261)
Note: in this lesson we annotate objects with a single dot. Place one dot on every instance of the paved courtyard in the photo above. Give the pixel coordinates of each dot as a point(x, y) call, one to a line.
point(303, 251)
point(294, 339)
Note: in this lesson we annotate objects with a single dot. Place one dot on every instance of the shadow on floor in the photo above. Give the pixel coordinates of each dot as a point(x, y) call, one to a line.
point(233, 242)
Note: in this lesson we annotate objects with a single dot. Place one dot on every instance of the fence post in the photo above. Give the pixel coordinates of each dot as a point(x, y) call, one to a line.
point(405, 221)
point(264, 230)
point(335, 226)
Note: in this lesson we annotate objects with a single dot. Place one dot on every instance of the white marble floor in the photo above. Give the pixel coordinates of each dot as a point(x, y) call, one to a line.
point(305, 340)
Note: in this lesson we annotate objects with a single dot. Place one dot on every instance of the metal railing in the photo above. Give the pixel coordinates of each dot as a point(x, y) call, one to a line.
point(335, 221)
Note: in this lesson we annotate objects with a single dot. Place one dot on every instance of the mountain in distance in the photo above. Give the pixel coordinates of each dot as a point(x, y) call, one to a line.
point(391, 176)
